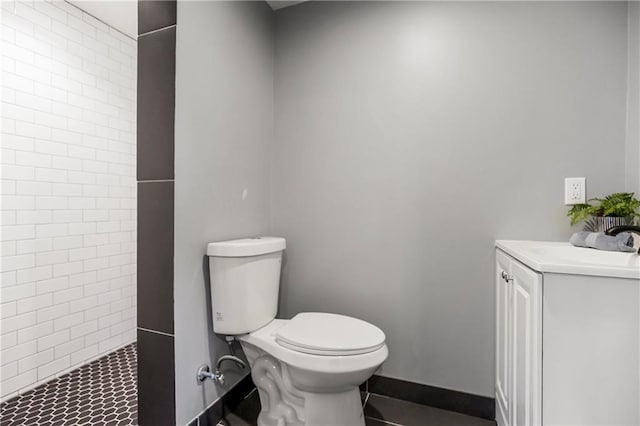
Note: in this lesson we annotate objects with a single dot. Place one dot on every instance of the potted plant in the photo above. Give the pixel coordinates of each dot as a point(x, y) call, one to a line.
point(616, 209)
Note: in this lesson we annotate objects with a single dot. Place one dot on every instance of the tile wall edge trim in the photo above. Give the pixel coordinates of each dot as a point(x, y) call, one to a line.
point(156, 180)
point(156, 331)
point(158, 30)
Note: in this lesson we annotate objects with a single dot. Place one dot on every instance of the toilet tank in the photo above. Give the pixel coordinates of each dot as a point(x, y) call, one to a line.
point(245, 279)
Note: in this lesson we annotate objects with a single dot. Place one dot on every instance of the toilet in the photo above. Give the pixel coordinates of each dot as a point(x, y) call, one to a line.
point(307, 369)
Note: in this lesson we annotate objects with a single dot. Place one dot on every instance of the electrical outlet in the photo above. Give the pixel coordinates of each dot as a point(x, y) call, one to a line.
point(575, 191)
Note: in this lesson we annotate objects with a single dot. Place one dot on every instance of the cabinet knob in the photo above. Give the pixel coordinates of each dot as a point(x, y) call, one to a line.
point(506, 276)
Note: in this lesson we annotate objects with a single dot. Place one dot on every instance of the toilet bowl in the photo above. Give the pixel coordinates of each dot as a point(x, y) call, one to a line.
point(307, 369)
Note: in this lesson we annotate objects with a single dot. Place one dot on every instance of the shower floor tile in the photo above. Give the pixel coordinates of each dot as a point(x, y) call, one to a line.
point(103, 392)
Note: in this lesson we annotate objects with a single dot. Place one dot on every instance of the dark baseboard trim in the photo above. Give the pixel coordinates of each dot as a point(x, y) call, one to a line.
point(226, 404)
point(460, 402)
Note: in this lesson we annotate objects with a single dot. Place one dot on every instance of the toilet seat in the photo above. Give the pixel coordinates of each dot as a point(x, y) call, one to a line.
point(327, 334)
point(265, 339)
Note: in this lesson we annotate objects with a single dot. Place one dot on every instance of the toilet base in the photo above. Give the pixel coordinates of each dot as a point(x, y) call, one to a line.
point(285, 405)
point(329, 409)
point(342, 409)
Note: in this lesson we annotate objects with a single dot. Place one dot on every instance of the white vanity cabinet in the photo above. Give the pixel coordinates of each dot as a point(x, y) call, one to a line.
point(567, 335)
point(518, 342)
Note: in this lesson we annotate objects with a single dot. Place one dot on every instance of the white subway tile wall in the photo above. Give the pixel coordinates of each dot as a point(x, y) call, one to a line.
point(68, 199)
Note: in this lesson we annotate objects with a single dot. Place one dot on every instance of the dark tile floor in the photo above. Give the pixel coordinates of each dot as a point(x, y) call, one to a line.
point(378, 410)
point(104, 392)
point(101, 393)
point(381, 410)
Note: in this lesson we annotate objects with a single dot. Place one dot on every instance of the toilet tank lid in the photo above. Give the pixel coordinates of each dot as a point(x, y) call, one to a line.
point(246, 247)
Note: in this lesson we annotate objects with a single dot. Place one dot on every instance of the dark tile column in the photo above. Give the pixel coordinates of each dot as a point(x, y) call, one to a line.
point(155, 171)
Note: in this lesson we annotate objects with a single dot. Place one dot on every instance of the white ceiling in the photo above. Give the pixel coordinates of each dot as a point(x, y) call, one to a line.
point(120, 14)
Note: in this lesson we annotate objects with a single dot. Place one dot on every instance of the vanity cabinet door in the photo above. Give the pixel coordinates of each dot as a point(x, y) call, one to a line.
point(526, 346)
point(503, 343)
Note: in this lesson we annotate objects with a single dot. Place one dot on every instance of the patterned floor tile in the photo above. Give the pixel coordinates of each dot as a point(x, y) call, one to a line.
point(101, 393)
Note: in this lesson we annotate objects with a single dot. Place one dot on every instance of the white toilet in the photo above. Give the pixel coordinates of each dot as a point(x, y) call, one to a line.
point(307, 369)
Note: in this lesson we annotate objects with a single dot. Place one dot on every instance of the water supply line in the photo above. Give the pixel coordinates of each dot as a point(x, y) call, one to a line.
point(230, 340)
point(204, 372)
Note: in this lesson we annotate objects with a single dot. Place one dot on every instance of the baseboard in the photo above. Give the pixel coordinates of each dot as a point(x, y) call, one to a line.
point(460, 402)
point(226, 404)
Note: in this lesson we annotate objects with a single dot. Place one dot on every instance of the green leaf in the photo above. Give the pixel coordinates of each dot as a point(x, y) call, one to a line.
point(619, 204)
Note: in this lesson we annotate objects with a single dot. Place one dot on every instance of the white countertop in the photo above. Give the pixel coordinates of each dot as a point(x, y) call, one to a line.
point(563, 258)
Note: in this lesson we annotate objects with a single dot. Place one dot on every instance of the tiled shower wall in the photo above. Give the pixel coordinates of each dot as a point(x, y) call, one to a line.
point(68, 191)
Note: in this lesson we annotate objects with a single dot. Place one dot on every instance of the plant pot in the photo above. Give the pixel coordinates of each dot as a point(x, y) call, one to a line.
point(602, 223)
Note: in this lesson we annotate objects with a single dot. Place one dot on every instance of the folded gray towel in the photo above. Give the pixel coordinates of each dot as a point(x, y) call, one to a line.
point(598, 240)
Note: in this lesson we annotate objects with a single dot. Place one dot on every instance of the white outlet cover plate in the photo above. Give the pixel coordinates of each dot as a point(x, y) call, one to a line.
point(575, 191)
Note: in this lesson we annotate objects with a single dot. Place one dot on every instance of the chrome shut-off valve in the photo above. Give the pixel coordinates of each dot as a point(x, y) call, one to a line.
point(204, 372)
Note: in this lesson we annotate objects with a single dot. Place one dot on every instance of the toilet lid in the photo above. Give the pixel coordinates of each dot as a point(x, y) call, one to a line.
point(329, 334)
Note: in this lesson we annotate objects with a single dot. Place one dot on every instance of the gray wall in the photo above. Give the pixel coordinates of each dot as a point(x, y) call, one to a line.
point(410, 136)
point(224, 132)
point(633, 112)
